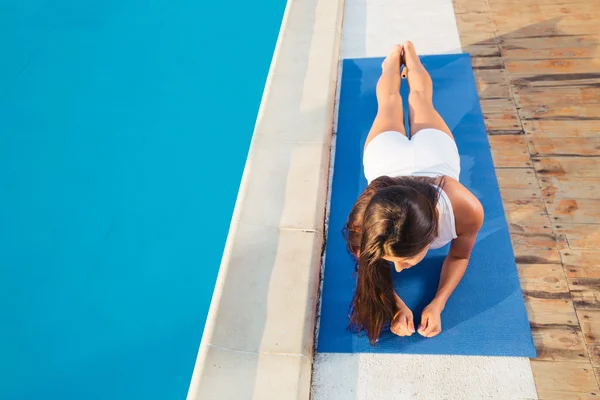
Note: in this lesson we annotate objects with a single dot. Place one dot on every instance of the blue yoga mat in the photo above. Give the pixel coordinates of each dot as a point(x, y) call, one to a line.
point(486, 314)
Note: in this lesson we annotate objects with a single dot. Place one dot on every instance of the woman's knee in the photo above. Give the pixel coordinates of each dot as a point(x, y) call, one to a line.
point(421, 98)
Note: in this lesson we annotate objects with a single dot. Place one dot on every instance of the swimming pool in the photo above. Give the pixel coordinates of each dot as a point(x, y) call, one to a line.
point(124, 128)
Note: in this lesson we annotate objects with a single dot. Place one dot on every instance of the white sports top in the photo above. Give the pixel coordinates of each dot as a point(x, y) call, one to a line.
point(431, 153)
point(446, 223)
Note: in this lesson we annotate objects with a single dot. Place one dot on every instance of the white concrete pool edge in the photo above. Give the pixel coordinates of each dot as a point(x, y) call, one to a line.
point(259, 335)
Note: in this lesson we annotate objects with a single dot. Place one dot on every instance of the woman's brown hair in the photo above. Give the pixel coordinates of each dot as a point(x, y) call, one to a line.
point(394, 217)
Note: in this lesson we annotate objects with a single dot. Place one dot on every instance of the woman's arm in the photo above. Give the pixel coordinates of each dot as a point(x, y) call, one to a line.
point(468, 213)
point(455, 265)
point(469, 218)
point(402, 324)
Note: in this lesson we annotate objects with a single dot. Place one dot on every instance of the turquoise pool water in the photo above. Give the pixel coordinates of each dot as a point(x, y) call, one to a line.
point(124, 129)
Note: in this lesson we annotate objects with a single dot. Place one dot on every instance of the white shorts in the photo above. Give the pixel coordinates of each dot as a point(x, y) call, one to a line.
point(430, 152)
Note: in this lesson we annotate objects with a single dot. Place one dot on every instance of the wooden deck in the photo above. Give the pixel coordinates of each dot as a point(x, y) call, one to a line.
point(537, 65)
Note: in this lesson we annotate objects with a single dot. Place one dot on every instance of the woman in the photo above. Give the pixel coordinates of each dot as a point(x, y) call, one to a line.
point(413, 202)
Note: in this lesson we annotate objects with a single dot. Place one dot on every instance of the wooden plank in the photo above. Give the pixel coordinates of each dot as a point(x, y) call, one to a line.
point(554, 309)
point(515, 27)
point(527, 27)
point(551, 312)
point(490, 75)
point(581, 237)
point(516, 3)
point(582, 10)
point(525, 210)
point(492, 83)
point(576, 237)
point(559, 343)
point(559, 380)
point(552, 341)
point(563, 129)
point(469, 6)
point(551, 42)
point(551, 82)
point(557, 47)
point(481, 50)
point(493, 90)
point(558, 95)
point(511, 18)
point(475, 21)
point(567, 146)
point(517, 178)
point(487, 63)
point(543, 280)
point(574, 211)
point(526, 216)
point(509, 151)
point(561, 243)
point(524, 29)
point(554, 89)
point(502, 124)
point(551, 67)
point(548, 302)
point(582, 14)
point(581, 263)
point(535, 248)
point(520, 196)
point(562, 112)
point(498, 106)
point(585, 293)
point(589, 321)
point(557, 53)
point(512, 21)
point(594, 352)
point(468, 36)
point(571, 166)
point(561, 187)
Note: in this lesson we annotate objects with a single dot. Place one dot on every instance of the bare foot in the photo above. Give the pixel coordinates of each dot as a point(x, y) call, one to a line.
point(410, 56)
point(392, 61)
point(418, 78)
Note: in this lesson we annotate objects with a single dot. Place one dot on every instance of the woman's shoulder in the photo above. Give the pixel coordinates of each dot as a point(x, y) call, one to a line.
point(468, 211)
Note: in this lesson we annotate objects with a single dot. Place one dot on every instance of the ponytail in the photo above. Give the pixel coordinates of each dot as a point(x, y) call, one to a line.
point(373, 305)
point(399, 219)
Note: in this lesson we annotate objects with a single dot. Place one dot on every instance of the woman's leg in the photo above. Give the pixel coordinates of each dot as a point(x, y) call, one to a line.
point(421, 113)
point(390, 115)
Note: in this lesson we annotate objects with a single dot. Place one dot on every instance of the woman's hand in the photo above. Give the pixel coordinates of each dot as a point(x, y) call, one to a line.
point(403, 324)
point(431, 320)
